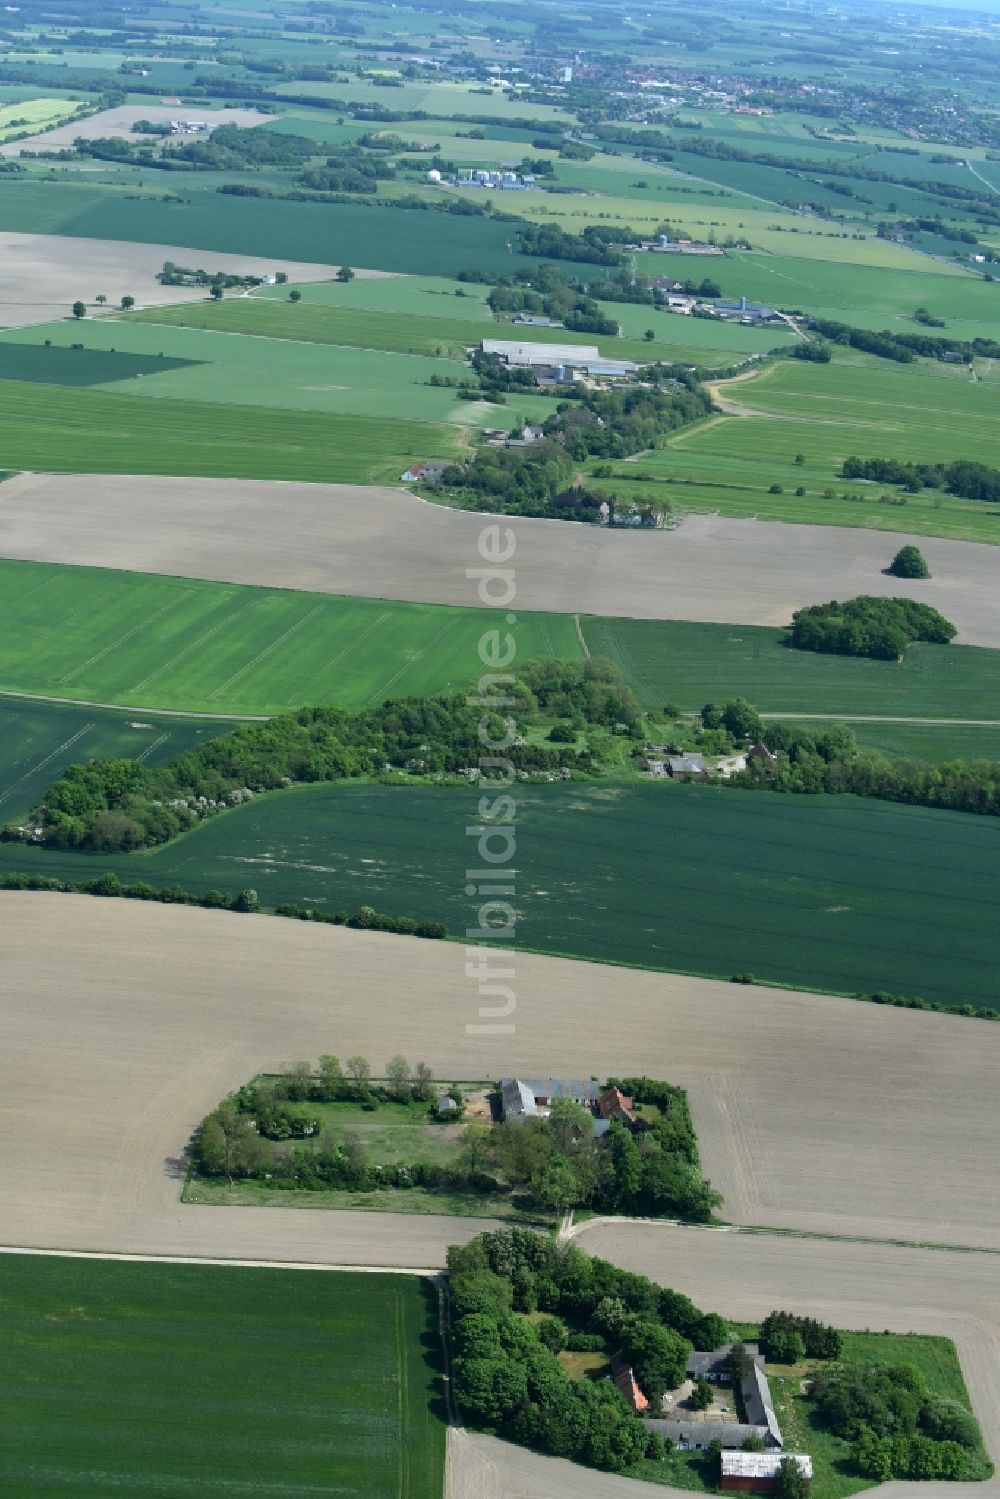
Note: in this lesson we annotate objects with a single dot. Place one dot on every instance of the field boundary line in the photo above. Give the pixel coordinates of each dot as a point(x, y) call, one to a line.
point(220, 1260)
point(84, 702)
point(585, 648)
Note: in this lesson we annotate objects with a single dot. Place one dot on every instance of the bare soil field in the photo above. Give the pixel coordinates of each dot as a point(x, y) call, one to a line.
point(818, 1113)
point(42, 275)
point(119, 122)
point(852, 1285)
point(386, 543)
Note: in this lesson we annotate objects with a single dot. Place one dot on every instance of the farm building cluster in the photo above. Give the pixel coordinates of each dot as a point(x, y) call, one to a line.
point(661, 762)
point(741, 1412)
point(560, 364)
point(532, 1098)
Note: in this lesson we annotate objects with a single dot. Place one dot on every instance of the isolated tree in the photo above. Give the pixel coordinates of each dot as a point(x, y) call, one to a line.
point(741, 719)
point(422, 1079)
point(295, 295)
point(247, 900)
point(701, 1396)
point(398, 1073)
point(800, 458)
point(909, 562)
point(740, 1362)
point(345, 274)
point(128, 303)
point(360, 1070)
point(100, 299)
point(331, 1077)
point(79, 309)
point(280, 278)
point(216, 291)
point(649, 335)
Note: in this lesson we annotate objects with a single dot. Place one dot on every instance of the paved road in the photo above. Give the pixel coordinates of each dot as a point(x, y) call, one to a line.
point(385, 543)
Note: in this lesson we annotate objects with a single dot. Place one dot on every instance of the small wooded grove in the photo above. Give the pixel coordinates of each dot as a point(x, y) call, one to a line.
point(968, 480)
point(544, 1164)
point(125, 804)
point(881, 628)
point(896, 1427)
point(506, 1372)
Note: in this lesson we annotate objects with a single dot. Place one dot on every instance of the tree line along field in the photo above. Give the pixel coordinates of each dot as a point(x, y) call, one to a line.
point(175, 1379)
point(73, 430)
point(37, 740)
point(814, 892)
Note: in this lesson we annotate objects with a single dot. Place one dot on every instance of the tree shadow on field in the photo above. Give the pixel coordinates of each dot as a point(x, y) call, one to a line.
point(430, 1349)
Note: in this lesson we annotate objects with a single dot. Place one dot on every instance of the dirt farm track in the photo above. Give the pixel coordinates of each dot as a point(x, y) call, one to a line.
point(386, 543)
point(817, 1113)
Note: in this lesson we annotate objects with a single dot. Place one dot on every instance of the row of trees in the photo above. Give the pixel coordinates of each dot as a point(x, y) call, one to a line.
point(126, 804)
point(867, 626)
point(968, 480)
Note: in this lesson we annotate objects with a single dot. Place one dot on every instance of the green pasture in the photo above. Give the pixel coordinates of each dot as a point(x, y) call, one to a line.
point(430, 296)
point(153, 641)
point(444, 99)
point(33, 114)
point(38, 740)
point(674, 661)
point(49, 428)
point(445, 331)
point(277, 373)
point(821, 892)
point(869, 296)
point(171, 1380)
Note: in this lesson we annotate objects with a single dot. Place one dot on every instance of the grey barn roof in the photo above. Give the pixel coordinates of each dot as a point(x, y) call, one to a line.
point(732, 1434)
point(701, 1364)
point(517, 1099)
point(756, 1394)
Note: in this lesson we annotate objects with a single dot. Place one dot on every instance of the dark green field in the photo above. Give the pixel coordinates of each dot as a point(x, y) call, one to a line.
point(53, 366)
point(181, 1380)
point(820, 892)
point(38, 740)
point(691, 664)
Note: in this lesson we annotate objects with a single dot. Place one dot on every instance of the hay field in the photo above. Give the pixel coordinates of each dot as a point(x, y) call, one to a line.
point(383, 543)
point(220, 1380)
point(45, 273)
point(817, 1114)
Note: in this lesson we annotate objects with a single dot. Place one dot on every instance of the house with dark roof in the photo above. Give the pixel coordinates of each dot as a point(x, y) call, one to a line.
point(517, 1102)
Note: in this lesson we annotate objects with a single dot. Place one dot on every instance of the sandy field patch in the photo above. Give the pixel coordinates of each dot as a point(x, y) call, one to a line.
point(42, 275)
point(814, 1112)
point(386, 543)
point(119, 122)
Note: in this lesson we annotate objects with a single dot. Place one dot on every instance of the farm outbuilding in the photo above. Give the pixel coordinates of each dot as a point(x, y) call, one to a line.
point(757, 1472)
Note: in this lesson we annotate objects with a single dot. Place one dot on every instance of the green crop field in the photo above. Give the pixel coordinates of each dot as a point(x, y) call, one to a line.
point(691, 664)
point(38, 740)
point(234, 369)
point(49, 428)
point(380, 237)
point(173, 1380)
point(856, 406)
point(826, 892)
point(178, 643)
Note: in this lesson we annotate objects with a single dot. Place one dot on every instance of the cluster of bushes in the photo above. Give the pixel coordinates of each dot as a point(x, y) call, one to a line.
point(558, 1162)
point(914, 1002)
point(897, 1428)
point(125, 804)
point(786, 1338)
point(507, 1376)
point(968, 480)
point(881, 628)
point(348, 172)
